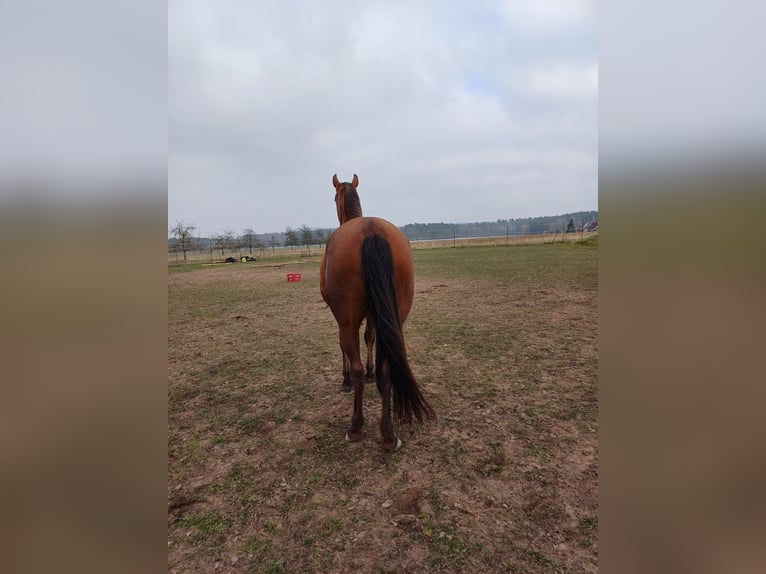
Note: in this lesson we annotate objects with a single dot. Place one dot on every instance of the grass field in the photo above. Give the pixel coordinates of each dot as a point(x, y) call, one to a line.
point(286, 253)
point(503, 340)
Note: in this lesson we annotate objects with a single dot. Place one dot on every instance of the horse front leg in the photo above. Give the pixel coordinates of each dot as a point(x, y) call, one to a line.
point(349, 340)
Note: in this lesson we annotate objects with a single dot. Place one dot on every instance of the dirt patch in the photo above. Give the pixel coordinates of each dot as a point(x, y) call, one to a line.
point(260, 479)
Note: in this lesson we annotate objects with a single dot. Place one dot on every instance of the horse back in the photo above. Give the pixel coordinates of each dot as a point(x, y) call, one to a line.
point(341, 269)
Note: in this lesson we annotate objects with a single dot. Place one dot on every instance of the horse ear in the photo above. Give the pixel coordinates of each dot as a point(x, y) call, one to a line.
point(335, 181)
point(355, 181)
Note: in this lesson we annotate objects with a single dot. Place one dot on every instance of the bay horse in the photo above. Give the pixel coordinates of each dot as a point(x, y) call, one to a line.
point(367, 273)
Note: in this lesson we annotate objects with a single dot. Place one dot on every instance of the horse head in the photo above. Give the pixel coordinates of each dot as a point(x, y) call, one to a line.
point(347, 199)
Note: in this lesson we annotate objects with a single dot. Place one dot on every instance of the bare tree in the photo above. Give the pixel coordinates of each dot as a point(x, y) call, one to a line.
point(183, 233)
point(248, 239)
point(291, 237)
point(229, 242)
point(273, 242)
point(222, 241)
point(306, 236)
point(319, 237)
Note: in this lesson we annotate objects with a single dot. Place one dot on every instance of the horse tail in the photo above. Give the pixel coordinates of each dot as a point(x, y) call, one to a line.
point(378, 271)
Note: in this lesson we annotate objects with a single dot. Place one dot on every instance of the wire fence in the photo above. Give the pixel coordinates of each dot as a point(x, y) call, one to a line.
point(235, 253)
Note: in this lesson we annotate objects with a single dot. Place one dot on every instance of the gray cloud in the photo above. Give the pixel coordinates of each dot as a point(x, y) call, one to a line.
point(446, 111)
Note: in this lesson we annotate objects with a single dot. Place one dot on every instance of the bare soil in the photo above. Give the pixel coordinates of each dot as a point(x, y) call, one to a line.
point(503, 342)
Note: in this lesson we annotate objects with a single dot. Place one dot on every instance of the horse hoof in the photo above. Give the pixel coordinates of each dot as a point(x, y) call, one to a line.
point(353, 438)
point(388, 448)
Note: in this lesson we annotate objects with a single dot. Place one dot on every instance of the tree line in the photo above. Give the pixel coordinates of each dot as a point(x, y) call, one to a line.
point(184, 241)
point(499, 227)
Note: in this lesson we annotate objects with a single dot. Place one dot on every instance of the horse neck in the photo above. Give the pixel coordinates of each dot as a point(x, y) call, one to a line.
point(348, 216)
point(351, 210)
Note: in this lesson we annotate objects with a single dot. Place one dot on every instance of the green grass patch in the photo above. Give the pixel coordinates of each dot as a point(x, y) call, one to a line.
point(591, 241)
point(248, 425)
point(587, 528)
point(540, 559)
point(206, 526)
point(542, 265)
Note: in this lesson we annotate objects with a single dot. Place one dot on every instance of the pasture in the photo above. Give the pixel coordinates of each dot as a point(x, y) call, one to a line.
point(503, 342)
point(202, 257)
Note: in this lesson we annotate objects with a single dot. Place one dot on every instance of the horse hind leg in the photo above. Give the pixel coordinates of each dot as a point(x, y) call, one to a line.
point(349, 341)
point(369, 340)
point(390, 440)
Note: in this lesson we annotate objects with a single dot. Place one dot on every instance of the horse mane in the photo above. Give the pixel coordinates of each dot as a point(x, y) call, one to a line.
point(352, 207)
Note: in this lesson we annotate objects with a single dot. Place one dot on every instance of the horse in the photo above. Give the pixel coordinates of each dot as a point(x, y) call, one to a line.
point(367, 273)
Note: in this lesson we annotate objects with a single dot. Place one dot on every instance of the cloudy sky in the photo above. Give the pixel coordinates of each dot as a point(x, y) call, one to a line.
point(447, 111)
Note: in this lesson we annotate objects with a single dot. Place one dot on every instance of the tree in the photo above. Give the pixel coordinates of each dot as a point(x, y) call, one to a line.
point(319, 237)
point(183, 233)
point(228, 240)
point(306, 236)
point(219, 242)
point(273, 242)
point(291, 237)
point(248, 239)
point(570, 226)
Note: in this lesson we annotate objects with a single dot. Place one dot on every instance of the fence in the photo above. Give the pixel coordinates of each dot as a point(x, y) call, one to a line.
point(207, 255)
point(280, 252)
point(510, 239)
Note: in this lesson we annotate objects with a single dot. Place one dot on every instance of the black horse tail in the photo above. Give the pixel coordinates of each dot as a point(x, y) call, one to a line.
point(378, 271)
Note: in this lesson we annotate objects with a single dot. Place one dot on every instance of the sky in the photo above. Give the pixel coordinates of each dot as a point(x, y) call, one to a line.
point(447, 111)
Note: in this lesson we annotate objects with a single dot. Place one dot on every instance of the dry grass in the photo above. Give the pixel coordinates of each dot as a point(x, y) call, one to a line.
point(503, 342)
point(536, 239)
point(283, 254)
